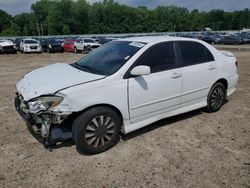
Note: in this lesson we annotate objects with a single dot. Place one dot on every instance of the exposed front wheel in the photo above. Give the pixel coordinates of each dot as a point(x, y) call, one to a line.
point(216, 97)
point(96, 130)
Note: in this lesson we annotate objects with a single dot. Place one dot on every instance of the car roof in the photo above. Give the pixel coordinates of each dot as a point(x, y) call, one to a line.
point(29, 39)
point(87, 38)
point(152, 39)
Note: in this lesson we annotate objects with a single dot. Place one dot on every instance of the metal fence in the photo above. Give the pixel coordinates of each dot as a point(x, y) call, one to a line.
point(121, 35)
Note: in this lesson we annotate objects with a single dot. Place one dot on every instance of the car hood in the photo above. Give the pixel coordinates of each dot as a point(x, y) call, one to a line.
point(92, 43)
point(52, 78)
point(6, 43)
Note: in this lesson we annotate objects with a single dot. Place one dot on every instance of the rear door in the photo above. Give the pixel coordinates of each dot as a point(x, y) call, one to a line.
point(160, 91)
point(199, 71)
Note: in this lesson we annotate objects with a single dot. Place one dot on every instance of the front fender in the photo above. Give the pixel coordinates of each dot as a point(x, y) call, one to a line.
point(83, 96)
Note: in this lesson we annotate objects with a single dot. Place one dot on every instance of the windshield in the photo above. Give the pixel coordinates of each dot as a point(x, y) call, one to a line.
point(52, 40)
point(69, 42)
point(89, 40)
point(108, 58)
point(30, 42)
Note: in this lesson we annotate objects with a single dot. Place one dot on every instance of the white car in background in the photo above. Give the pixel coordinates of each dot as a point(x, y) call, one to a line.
point(30, 45)
point(7, 47)
point(85, 45)
point(122, 86)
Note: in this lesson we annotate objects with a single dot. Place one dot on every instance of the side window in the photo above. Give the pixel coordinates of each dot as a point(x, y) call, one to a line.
point(159, 57)
point(194, 53)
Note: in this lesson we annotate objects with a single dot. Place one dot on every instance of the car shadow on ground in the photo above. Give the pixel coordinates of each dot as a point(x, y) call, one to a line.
point(139, 132)
point(161, 123)
point(164, 122)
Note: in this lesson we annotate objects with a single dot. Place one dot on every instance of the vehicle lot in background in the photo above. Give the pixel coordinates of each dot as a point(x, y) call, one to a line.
point(51, 45)
point(17, 42)
point(231, 39)
point(85, 45)
point(7, 47)
point(68, 45)
point(191, 150)
point(30, 46)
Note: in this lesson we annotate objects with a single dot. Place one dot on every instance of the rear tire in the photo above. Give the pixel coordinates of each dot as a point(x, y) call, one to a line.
point(216, 97)
point(96, 130)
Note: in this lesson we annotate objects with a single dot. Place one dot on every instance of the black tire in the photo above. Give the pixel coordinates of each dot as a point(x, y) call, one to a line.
point(96, 130)
point(75, 50)
point(216, 97)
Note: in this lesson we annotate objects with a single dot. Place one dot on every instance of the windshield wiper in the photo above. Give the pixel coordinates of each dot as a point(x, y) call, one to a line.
point(90, 69)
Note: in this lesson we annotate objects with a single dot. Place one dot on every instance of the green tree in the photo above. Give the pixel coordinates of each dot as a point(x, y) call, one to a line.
point(55, 17)
point(5, 20)
point(13, 30)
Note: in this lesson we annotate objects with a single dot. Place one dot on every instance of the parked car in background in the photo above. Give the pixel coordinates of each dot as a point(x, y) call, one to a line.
point(51, 45)
point(30, 46)
point(85, 45)
point(231, 39)
point(211, 38)
point(245, 37)
point(104, 40)
point(17, 42)
point(68, 45)
point(7, 47)
point(124, 85)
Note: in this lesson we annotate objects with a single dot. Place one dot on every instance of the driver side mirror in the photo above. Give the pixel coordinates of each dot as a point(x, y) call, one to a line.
point(140, 70)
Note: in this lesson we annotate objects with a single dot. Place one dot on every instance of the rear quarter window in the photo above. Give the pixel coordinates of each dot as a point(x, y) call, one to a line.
point(193, 53)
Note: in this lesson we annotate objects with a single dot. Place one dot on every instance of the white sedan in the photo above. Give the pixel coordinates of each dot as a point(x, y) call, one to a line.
point(122, 86)
point(30, 45)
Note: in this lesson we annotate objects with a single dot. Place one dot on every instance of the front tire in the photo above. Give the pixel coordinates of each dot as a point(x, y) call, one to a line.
point(96, 130)
point(76, 50)
point(216, 97)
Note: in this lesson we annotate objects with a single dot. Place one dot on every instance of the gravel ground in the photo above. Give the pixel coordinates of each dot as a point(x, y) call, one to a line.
point(195, 149)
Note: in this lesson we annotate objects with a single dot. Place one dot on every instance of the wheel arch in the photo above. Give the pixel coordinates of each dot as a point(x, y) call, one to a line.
point(222, 81)
point(75, 114)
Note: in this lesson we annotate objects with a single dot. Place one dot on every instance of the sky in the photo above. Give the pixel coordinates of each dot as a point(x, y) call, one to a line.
point(14, 7)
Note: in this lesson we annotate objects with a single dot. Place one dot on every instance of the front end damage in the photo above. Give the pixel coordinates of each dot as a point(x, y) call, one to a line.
point(52, 126)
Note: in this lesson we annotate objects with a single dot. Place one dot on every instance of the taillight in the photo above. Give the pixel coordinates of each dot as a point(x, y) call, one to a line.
point(236, 64)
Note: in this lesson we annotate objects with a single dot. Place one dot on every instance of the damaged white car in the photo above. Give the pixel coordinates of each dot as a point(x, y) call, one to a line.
point(122, 86)
point(7, 47)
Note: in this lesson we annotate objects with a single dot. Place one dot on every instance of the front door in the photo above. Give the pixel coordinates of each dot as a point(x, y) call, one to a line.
point(159, 92)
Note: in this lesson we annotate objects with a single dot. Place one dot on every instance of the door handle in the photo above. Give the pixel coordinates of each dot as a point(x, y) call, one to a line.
point(176, 75)
point(211, 67)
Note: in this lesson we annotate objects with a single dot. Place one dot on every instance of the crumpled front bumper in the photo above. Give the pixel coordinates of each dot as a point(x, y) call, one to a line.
point(28, 118)
point(43, 126)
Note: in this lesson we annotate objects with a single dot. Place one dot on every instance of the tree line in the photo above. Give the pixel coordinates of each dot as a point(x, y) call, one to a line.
point(63, 17)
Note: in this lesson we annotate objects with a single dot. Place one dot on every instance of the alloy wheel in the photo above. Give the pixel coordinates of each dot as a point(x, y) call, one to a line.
point(217, 98)
point(99, 131)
